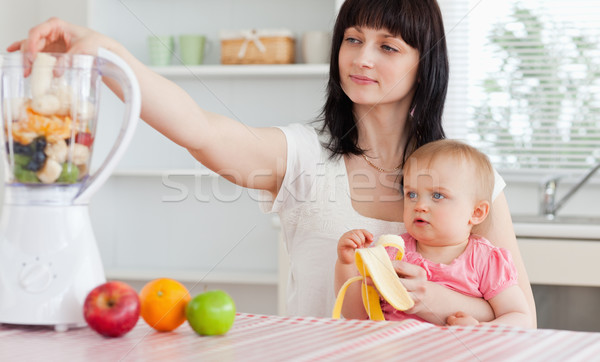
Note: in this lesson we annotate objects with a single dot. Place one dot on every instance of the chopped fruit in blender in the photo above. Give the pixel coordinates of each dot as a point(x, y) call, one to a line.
point(69, 174)
point(52, 147)
point(25, 176)
point(57, 151)
point(40, 143)
point(37, 161)
point(83, 169)
point(85, 111)
point(42, 74)
point(84, 138)
point(22, 149)
point(50, 172)
point(53, 127)
point(80, 155)
point(65, 95)
point(24, 137)
point(13, 108)
point(46, 104)
point(21, 160)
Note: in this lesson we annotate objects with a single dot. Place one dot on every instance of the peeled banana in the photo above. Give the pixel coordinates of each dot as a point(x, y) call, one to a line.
point(374, 262)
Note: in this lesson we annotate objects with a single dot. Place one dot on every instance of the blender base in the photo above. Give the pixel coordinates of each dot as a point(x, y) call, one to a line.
point(49, 262)
point(66, 327)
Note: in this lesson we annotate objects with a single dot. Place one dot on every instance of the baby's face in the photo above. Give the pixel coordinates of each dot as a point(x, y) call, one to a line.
point(439, 200)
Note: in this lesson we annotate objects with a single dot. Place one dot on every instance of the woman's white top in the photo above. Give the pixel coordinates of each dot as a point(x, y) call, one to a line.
point(315, 209)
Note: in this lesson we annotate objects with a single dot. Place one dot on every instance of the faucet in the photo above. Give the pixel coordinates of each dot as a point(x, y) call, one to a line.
point(549, 206)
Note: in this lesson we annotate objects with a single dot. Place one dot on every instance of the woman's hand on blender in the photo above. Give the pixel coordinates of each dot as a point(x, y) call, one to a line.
point(57, 36)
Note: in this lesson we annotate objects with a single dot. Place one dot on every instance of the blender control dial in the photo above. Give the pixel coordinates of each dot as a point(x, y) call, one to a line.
point(35, 277)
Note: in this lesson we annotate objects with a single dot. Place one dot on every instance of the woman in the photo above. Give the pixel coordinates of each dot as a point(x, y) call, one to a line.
point(388, 80)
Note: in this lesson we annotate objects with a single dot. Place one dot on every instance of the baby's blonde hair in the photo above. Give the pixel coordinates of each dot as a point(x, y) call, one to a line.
point(482, 169)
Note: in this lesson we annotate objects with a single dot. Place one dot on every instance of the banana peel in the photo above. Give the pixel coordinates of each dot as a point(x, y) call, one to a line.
point(375, 263)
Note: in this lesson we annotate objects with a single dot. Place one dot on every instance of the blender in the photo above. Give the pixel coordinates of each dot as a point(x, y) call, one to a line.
point(49, 260)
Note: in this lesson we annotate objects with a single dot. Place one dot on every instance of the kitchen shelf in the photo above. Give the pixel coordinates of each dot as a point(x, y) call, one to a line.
point(246, 71)
point(193, 276)
point(161, 173)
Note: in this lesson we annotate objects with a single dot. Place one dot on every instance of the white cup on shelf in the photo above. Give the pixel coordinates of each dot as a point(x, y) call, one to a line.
point(316, 46)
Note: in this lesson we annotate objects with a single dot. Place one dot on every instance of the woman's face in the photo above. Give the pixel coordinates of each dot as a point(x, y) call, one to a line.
point(377, 67)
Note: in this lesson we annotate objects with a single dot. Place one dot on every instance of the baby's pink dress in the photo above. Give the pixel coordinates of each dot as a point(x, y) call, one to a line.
point(482, 270)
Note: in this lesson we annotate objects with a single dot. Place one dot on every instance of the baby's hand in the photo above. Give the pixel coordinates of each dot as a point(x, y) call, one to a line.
point(350, 241)
point(461, 319)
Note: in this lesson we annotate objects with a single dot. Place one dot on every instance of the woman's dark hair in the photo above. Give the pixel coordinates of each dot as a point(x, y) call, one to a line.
point(419, 23)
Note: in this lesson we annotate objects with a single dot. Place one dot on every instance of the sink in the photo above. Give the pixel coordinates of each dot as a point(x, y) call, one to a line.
point(567, 219)
point(561, 227)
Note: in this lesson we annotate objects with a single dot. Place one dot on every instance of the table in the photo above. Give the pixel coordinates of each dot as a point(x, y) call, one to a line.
point(274, 338)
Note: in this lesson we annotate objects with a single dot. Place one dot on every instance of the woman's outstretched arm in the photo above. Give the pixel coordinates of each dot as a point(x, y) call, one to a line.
point(250, 157)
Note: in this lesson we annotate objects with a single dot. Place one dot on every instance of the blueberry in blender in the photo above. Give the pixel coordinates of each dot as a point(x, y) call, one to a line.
point(22, 149)
point(40, 143)
point(37, 161)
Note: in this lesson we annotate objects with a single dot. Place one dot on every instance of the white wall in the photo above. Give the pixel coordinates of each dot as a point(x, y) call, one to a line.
point(17, 17)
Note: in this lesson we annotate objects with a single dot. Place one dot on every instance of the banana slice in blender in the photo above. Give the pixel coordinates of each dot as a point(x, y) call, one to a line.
point(42, 73)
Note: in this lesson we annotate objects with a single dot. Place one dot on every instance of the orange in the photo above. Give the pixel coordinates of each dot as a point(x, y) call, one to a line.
point(163, 303)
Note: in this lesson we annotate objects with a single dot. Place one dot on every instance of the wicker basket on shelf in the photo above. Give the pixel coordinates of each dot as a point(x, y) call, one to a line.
point(257, 47)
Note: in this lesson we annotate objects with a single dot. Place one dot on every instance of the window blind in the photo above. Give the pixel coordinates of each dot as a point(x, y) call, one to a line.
point(525, 81)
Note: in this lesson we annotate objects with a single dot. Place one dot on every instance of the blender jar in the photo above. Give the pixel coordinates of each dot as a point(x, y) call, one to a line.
point(49, 114)
point(49, 119)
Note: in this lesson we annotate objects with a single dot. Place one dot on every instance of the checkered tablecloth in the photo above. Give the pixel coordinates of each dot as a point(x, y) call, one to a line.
point(273, 338)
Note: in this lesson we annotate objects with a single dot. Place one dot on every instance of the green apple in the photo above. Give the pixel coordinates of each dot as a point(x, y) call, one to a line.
point(211, 313)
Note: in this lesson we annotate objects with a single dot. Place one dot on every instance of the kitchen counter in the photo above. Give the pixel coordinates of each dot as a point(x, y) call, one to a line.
point(562, 227)
point(265, 338)
point(562, 251)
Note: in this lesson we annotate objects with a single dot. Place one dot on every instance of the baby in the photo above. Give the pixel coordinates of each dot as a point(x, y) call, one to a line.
point(447, 191)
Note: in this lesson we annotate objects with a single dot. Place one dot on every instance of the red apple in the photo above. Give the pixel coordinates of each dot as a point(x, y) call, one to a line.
point(112, 309)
